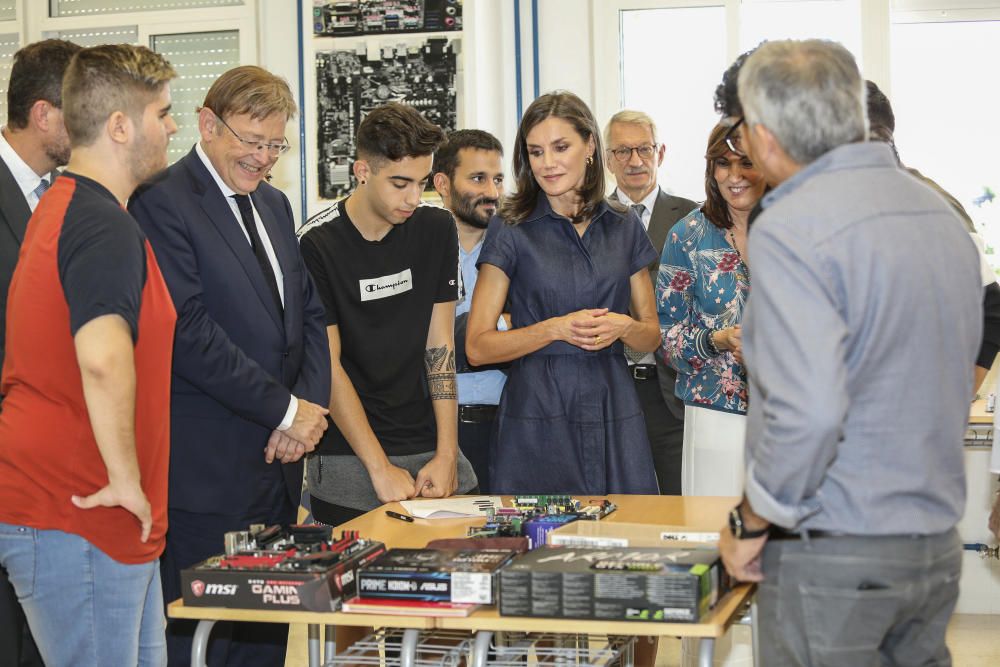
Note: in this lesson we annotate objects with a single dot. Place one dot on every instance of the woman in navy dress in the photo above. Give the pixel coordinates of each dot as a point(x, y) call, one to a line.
point(572, 268)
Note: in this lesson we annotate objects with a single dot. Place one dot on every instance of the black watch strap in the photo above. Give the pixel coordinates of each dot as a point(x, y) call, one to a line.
point(738, 527)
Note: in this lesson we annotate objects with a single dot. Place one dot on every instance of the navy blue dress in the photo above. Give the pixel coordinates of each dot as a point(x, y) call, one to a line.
point(569, 420)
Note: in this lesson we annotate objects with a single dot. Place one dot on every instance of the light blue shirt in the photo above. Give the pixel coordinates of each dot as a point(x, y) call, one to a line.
point(860, 334)
point(484, 387)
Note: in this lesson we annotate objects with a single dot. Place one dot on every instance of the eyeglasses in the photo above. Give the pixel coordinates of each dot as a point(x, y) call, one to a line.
point(624, 153)
point(734, 139)
point(274, 150)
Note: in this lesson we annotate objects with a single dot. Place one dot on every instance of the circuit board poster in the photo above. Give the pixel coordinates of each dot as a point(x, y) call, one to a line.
point(364, 70)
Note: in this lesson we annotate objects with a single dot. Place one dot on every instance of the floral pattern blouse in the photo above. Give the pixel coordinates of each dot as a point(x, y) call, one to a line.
point(702, 286)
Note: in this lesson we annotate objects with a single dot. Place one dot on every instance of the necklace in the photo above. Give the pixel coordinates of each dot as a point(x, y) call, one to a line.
point(732, 242)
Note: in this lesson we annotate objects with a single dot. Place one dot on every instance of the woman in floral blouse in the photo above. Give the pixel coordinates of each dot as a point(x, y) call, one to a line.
point(701, 290)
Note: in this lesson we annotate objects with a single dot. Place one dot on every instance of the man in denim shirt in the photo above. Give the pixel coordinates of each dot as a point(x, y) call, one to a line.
point(860, 337)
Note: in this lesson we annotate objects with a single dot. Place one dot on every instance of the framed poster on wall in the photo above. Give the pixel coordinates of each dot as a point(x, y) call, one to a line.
point(361, 54)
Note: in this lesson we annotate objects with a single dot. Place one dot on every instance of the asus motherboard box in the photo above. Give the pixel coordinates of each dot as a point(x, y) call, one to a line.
point(438, 575)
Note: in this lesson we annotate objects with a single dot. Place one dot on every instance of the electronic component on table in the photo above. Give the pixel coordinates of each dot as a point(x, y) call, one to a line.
point(535, 516)
point(301, 567)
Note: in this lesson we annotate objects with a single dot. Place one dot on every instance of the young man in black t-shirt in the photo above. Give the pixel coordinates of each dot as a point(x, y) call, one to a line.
point(387, 271)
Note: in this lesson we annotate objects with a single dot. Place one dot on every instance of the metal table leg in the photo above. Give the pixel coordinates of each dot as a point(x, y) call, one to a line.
point(199, 647)
point(408, 649)
point(481, 648)
point(330, 645)
point(755, 632)
point(313, 645)
point(706, 651)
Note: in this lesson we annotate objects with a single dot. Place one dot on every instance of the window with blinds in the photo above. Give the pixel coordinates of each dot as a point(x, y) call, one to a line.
point(8, 47)
point(199, 58)
point(59, 8)
point(8, 10)
point(128, 34)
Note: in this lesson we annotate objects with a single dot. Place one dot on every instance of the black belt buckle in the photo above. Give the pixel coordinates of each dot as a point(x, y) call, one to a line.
point(643, 371)
point(476, 414)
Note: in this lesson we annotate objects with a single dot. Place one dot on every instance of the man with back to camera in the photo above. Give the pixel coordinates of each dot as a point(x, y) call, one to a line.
point(33, 144)
point(633, 157)
point(84, 433)
point(251, 373)
point(468, 174)
point(855, 477)
point(387, 270)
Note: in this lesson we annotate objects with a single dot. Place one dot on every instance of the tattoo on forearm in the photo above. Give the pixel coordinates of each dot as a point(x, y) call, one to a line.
point(439, 362)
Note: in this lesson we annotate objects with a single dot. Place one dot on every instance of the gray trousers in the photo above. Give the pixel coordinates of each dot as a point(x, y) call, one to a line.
point(858, 601)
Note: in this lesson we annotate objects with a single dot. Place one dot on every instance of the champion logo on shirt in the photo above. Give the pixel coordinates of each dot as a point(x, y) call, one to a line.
point(379, 288)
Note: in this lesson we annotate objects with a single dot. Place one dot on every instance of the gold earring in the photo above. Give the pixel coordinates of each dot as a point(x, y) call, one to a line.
point(590, 160)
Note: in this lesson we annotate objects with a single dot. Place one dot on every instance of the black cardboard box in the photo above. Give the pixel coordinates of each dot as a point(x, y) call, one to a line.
point(435, 575)
point(660, 584)
point(209, 585)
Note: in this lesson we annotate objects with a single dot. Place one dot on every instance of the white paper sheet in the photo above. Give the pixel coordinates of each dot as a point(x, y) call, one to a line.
point(450, 508)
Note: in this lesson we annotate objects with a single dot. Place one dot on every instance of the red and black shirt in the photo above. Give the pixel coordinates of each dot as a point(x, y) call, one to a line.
point(83, 256)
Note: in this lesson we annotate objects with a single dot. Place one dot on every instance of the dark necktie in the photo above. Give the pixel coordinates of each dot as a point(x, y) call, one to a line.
point(634, 355)
point(40, 189)
point(246, 213)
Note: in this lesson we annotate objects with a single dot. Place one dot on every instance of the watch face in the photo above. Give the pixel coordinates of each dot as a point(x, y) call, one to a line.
point(735, 522)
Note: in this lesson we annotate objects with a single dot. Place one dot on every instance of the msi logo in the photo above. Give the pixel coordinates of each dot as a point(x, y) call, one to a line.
point(198, 588)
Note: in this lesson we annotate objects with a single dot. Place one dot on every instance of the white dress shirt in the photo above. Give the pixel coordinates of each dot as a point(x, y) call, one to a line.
point(25, 177)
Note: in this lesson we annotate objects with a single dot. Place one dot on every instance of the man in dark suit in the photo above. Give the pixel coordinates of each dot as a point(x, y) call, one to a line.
point(33, 144)
point(251, 362)
point(633, 158)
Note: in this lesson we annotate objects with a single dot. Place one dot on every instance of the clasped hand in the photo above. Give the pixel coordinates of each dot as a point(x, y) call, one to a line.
point(437, 479)
point(594, 329)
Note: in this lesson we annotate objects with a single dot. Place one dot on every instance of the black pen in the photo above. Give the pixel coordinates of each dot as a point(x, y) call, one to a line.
point(401, 517)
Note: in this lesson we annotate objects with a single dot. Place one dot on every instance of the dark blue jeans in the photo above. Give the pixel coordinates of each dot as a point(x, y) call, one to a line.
point(858, 601)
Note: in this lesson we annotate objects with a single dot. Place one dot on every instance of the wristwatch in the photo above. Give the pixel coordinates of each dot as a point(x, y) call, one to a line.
point(739, 529)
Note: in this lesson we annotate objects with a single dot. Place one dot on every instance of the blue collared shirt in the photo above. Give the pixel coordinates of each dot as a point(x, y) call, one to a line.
point(483, 387)
point(860, 336)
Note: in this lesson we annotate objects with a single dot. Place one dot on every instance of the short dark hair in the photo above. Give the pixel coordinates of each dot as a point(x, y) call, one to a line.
point(395, 131)
point(727, 99)
point(446, 158)
point(108, 78)
point(879, 109)
point(37, 74)
point(570, 108)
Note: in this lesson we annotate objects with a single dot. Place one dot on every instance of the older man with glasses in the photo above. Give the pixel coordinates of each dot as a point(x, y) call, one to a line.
point(251, 366)
point(634, 155)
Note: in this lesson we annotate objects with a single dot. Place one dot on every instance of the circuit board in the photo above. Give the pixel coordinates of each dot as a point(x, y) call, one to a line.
point(517, 520)
point(376, 17)
point(350, 83)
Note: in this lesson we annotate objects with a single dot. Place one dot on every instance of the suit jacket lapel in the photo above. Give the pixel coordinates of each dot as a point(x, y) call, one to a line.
point(663, 218)
point(13, 206)
point(222, 217)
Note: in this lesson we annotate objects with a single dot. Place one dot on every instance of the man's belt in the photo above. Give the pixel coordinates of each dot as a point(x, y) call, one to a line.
point(643, 371)
point(476, 414)
point(782, 534)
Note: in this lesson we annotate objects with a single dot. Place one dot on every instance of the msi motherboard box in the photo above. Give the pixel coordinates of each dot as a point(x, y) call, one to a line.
point(434, 575)
point(285, 574)
point(660, 584)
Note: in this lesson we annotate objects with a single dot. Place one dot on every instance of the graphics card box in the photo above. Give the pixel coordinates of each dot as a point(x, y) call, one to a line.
point(260, 583)
point(660, 584)
point(441, 575)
